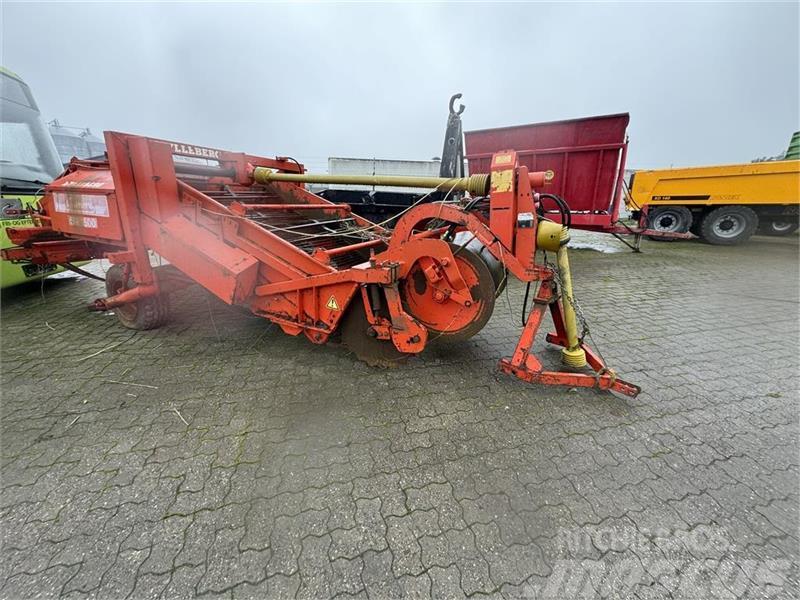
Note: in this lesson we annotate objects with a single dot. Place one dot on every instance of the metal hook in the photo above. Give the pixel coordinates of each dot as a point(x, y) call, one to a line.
point(461, 107)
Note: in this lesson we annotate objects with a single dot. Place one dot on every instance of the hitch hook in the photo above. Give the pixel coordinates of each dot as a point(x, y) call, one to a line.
point(461, 107)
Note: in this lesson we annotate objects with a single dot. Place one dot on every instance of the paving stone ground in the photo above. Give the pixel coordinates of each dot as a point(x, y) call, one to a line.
point(236, 461)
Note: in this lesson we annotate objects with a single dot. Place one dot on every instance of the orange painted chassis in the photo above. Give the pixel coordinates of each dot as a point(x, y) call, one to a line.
point(154, 202)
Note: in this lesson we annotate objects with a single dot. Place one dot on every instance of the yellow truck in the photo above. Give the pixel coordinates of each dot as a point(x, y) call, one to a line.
point(723, 204)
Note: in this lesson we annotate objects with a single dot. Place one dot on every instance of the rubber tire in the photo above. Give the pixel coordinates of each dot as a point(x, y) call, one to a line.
point(353, 334)
point(682, 215)
point(707, 225)
point(766, 226)
point(146, 313)
point(499, 273)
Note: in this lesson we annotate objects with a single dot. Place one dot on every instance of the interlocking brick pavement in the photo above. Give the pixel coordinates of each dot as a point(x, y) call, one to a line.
point(304, 473)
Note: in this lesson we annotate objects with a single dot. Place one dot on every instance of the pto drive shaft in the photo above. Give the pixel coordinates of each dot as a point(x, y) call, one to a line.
point(554, 237)
point(572, 354)
point(477, 185)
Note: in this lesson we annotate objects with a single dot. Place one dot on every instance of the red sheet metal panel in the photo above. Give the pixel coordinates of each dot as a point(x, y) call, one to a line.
point(587, 156)
point(225, 270)
point(83, 203)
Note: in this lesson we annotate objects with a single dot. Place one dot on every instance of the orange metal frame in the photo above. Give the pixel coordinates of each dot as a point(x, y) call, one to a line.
point(526, 366)
point(149, 197)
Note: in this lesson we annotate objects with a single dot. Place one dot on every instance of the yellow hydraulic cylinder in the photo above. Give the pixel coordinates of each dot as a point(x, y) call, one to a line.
point(474, 184)
point(572, 354)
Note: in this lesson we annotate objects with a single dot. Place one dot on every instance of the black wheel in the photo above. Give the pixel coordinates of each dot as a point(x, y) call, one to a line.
point(357, 336)
point(499, 274)
point(669, 219)
point(147, 313)
point(728, 225)
point(778, 226)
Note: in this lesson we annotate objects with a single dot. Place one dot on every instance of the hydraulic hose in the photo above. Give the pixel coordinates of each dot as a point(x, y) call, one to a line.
point(563, 208)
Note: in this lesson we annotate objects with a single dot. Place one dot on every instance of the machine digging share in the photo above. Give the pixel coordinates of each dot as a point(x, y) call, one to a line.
point(246, 229)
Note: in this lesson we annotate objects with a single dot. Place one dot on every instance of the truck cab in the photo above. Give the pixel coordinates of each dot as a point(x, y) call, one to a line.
point(28, 162)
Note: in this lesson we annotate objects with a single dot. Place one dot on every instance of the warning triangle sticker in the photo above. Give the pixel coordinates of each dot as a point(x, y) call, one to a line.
point(332, 303)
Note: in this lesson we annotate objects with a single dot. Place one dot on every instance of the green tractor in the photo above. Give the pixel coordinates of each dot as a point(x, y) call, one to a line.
point(28, 162)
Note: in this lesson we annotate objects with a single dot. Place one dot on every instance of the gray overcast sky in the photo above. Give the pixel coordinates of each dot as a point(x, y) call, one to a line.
point(704, 83)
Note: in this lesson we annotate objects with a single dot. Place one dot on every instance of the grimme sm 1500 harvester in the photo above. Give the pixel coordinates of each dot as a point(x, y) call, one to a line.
point(247, 230)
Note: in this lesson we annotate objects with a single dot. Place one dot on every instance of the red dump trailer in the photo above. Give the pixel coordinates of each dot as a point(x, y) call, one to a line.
point(587, 157)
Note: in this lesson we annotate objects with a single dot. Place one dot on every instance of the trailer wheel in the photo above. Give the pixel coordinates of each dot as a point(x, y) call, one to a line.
point(728, 225)
point(778, 226)
point(669, 219)
point(146, 313)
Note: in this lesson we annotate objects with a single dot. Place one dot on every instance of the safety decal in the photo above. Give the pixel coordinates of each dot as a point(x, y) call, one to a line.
point(332, 303)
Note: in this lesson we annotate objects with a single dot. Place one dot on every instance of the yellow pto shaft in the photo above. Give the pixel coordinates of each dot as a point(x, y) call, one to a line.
point(553, 237)
point(572, 354)
point(477, 185)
